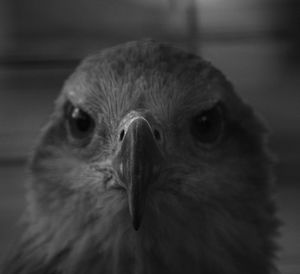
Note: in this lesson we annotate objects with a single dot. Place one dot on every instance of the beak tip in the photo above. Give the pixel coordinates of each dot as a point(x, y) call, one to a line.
point(136, 227)
point(136, 223)
point(136, 220)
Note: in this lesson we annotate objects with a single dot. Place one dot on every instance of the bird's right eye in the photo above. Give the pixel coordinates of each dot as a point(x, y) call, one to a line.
point(79, 123)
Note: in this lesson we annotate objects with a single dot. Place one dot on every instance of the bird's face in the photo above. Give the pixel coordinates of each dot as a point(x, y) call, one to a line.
point(146, 137)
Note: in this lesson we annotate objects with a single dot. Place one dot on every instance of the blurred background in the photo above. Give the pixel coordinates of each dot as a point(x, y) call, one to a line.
point(255, 42)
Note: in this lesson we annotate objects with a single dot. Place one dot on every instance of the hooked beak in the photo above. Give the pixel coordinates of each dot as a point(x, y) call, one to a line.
point(137, 162)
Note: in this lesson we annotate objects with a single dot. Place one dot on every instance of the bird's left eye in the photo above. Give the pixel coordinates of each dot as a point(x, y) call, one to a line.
point(80, 124)
point(207, 127)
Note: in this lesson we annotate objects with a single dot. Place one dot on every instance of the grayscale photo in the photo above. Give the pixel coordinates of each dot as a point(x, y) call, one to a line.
point(150, 137)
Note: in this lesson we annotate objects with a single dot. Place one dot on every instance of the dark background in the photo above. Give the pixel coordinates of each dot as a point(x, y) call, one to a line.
point(255, 42)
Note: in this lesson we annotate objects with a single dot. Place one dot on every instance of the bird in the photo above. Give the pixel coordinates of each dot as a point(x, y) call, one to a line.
point(150, 163)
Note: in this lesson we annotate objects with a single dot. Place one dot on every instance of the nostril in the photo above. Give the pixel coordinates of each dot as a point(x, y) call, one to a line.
point(121, 136)
point(157, 135)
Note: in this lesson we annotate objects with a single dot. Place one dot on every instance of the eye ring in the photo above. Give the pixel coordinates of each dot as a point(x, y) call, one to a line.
point(207, 127)
point(80, 124)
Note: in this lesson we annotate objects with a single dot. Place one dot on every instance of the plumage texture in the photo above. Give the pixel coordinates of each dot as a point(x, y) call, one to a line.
point(210, 210)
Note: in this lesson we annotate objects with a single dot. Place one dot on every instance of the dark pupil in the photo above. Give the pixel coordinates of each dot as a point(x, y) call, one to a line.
point(207, 126)
point(81, 120)
point(80, 123)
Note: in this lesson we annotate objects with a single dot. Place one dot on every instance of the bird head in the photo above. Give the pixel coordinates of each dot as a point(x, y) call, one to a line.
point(150, 158)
